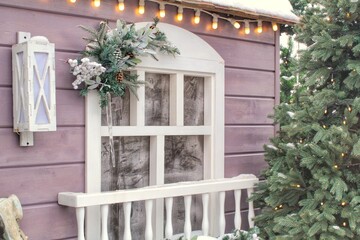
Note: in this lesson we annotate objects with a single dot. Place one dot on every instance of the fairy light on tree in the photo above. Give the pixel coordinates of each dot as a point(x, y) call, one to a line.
point(121, 5)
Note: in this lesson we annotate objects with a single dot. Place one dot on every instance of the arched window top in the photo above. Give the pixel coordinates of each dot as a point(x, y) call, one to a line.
point(189, 44)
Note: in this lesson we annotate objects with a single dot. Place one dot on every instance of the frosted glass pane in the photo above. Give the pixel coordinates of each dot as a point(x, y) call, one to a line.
point(157, 99)
point(131, 171)
point(120, 107)
point(47, 87)
point(193, 101)
point(41, 114)
point(41, 59)
point(184, 161)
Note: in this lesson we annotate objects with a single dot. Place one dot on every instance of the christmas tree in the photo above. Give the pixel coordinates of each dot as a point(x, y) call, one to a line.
point(312, 187)
point(288, 74)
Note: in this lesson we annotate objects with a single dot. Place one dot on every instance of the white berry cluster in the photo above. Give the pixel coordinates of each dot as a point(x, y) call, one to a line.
point(86, 71)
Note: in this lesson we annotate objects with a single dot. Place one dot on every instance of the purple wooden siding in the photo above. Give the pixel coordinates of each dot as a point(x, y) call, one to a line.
point(56, 162)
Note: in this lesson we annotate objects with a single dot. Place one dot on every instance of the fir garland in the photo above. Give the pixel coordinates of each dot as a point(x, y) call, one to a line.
point(110, 54)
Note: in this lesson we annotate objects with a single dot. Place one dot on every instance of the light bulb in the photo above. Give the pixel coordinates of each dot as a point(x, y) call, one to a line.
point(73, 1)
point(162, 10)
point(342, 154)
point(97, 3)
point(336, 166)
point(215, 22)
point(343, 204)
point(141, 7)
point(275, 26)
point(197, 17)
point(247, 27)
point(235, 23)
point(259, 28)
point(321, 203)
point(326, 111)
point(121, 5)
point(344, 224)
point(179, 16)
point(349, 109)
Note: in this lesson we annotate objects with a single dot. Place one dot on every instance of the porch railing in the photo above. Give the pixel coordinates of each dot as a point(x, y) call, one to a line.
point(168, 191)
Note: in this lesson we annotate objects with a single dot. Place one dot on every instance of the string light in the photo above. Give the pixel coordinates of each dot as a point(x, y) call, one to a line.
point(97, 3)
point(141, 7)
point(162, 12)
point(322, 204)
point(344, 121)
point(336, 166)
point(275, 26)
point(259, 27)
point(343, 204)
point(342, 154)
point(324, 126)
point(197, 17)
point(215, 22)
point(121, 5)
point(326, 111)
point(349, 109)
point(235, 23)
point(247, 27)
point(301, 140)
point(180, 14)
point(344, 224)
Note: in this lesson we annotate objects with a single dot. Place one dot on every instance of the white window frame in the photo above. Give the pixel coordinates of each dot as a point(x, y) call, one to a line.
point(197, 58)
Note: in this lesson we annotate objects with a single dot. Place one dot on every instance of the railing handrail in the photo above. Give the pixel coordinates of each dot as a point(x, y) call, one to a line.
point(77, 200)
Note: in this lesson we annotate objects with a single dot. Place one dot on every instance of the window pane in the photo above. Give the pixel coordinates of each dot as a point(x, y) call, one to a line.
point(131, 170)
point(120, 107)
point(157, 99)
point(193, 101)
point(184, 160)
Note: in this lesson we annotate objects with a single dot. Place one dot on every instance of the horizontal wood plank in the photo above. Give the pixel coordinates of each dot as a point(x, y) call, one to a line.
point(69, 108)
point(245, 139)
point(49, 222)
point(244, 164)
point(244, 54)
point(66, 145)
point(41, 184)
point(248, 110)
point(109, 11)
point(243, 82)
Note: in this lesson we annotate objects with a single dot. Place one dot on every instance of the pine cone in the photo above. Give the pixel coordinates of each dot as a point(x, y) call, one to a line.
point(120, 76)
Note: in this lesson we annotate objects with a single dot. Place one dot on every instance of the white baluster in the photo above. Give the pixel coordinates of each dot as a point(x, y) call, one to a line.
point(187, 225)
point(168, 226)
point(104, 222)
point(251, 208)
point(237, 219)
point(205, 220)
point(222, 213)
point(148, 228)
point(80, 218)
point(127, 212)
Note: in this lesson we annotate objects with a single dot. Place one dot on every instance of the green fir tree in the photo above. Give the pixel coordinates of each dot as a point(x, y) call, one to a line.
point(312, 187)
point(288, 68)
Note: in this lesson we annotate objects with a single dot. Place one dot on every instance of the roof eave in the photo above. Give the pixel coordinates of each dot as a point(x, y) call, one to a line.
point(239, 13)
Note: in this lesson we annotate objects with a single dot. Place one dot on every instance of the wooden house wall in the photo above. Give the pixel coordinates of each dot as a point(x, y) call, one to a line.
point(56, 162)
